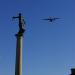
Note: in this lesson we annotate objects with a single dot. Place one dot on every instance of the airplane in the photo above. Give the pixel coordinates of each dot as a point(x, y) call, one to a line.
point(51, 19)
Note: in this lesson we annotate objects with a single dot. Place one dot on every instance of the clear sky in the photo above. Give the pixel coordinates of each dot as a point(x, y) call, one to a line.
point(48, 48)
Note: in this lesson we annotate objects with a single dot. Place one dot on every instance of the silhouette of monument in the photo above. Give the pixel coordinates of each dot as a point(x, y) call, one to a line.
point(19, 36)
point(72, 71)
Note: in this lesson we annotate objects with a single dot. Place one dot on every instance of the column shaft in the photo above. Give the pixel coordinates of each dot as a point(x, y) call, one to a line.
point(18, 65)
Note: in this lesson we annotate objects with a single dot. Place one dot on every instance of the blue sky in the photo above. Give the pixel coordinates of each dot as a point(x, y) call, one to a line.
point(48, 48)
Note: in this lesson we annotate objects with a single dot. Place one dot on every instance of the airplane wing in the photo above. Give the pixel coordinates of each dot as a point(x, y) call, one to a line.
point(56, 18)
point(45, 19)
